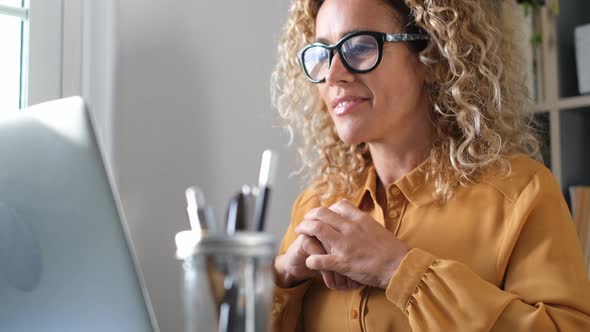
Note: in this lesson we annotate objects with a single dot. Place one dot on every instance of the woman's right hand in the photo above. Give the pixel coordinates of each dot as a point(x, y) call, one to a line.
point(290, 268)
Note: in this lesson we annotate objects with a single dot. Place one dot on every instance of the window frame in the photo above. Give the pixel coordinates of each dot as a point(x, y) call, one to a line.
point(21, 13)
point(51, 56)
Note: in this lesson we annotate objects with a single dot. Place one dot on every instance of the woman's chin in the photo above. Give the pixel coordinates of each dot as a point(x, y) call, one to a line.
point(351, 137)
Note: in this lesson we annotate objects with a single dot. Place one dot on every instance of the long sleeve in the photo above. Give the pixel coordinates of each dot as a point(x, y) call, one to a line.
point(545, 286)
point(287, 302)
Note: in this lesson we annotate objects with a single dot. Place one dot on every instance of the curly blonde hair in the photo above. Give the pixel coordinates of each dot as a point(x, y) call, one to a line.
point(479, 97)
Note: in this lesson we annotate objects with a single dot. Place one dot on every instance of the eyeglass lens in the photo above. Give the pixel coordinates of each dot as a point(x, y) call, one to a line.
point(360, 53)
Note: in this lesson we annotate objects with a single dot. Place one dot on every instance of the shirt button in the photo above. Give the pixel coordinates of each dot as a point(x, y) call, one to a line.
point(392, 214)
point(277, 309)
point(394, 191)
point(354, 314)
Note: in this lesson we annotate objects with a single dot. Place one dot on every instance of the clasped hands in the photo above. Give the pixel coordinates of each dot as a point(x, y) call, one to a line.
point(345, 245)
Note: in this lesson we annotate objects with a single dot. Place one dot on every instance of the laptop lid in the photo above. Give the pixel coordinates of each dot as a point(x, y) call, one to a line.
point(66, 262)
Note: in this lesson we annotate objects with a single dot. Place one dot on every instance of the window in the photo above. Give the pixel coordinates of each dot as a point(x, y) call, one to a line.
point(13, 58)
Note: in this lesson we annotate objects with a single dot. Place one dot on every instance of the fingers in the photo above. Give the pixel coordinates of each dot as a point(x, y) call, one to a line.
point(340, 281)
point(318, 260)
point(338, 215)
point(346, 209)
point(345, 283)
point(318, 257)
point(328, 279)
point(334, 280)
point(326, 216)
point(354, 284)
point(325, 233)
point(327, 262)
point(310, 246)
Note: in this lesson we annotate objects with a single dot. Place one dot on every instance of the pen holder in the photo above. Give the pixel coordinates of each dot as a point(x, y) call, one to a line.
point(228, 281)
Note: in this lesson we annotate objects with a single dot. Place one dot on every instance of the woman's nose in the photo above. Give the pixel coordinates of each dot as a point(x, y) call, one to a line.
point(338, 73)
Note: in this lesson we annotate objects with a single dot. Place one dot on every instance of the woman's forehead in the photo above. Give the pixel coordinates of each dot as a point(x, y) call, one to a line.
point(337, 18)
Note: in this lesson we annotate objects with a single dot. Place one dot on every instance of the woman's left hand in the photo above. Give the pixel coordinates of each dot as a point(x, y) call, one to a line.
point(358, 246)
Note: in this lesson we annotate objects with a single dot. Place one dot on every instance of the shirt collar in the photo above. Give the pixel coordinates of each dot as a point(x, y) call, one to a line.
point(413, 185)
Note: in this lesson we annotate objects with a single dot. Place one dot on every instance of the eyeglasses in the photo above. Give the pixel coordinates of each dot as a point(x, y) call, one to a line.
point(360, 52)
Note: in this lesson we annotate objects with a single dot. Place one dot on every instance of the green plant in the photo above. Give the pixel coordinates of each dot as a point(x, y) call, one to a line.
point(531, 5)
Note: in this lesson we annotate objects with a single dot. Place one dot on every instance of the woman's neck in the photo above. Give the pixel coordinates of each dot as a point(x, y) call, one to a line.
point(393, 163)
point(394, 157)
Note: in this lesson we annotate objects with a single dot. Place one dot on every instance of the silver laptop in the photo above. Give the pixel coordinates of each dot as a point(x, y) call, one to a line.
point(66, 262)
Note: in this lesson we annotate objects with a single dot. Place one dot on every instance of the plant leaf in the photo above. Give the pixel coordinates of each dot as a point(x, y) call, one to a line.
point(556, 7)
point(527, 9)
point(536, 39)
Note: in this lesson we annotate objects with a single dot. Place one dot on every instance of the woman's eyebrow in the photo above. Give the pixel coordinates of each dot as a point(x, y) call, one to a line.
point(342, 34)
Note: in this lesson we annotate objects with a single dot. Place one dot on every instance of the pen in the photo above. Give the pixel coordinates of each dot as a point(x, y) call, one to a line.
point(236, 219)
point(198, 214)
point(202, 222)
point(265, 183)
point(231, 315)
point(249, 202)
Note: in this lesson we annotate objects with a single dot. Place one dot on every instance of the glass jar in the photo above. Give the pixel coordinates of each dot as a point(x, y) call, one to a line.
point(228, 281)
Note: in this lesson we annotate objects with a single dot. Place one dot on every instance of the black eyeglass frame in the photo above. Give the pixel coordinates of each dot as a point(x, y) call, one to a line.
point(380, 37)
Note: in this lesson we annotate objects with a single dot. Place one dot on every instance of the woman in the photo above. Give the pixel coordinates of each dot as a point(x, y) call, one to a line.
point(426, 211)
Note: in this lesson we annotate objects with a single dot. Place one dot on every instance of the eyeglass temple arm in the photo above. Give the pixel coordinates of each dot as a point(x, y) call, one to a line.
point(393, 37)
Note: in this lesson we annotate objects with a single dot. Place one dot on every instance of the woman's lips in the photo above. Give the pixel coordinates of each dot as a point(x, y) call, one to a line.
point(345, 105)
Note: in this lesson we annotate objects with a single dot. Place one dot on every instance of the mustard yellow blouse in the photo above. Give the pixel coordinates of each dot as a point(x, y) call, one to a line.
point(502, 255)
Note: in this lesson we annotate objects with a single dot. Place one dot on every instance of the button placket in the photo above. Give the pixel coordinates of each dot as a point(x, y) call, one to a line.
point(402, 208)
point(355, 309)
point(392, 214)
point(363, 309)
point(394, 204)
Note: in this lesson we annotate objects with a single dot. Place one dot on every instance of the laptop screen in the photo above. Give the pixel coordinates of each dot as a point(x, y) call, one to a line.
point(65, 260)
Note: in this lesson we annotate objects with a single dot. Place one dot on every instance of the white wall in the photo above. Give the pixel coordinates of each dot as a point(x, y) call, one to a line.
point(181, 94)
point(45, 51)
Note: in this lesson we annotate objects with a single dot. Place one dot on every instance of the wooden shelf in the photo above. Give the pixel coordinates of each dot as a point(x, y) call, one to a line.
point(563, 104)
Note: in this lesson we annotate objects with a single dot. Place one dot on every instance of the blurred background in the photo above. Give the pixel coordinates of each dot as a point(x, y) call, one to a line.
point(179, 91)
